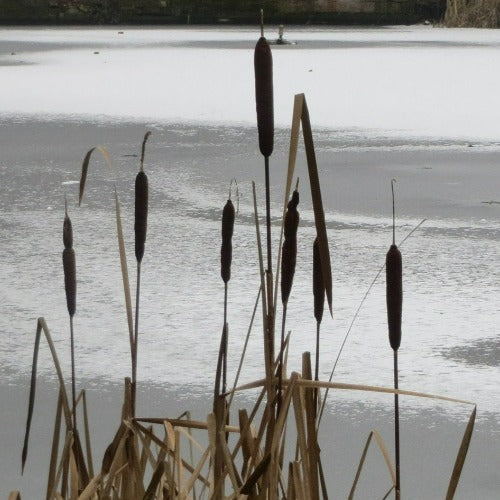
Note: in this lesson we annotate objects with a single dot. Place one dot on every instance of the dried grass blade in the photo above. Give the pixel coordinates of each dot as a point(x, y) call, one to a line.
point(155, 481)
point(196, 473)
point(63, 465)
point(299, 412)
point(387, 459)
point(462, 454)
point(259, 471)
point(372, 388)
point(55, 447)
point(319, 213)
point(167, 448)
point(73, 476)
point(91, 488)
point(85, 168)
point(124, 268)
point(111, 450)
point(231, 469)
point(42, 326)
point(88, 445)
point(292, 158)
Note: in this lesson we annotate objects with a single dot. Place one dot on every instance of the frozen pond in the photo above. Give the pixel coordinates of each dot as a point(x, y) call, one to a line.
point(417, 104)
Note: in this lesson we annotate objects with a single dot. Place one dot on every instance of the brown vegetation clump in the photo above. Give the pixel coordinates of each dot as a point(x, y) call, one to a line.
point(472, 14)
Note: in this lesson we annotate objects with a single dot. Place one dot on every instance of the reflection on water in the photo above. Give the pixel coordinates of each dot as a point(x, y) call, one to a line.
point(481, 352)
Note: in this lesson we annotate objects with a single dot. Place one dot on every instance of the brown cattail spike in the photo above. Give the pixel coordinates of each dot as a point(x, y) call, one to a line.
point(69, 265)
point(226, 252)
point(141, 213)
point(263, 63)
point(289, 257)
point(394, 294)
point(67, 232)
point(318, 284)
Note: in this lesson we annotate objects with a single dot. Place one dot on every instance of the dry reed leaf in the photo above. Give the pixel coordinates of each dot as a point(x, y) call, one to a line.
point(111, 450)
point(88, 445)
point(62, 469)
point(116, 461)
point(292, 158)
point(196, 474)
point(462, 454)
point(189, 424)
point(74, 477)
point(164, 446)
point(310, 415)
point(85, 168)
point(91, 488)
point(386, 456)
point(319, 213)
point(191, 439)
point(355, 387)
point(230, 468)
point(55, 447)
point(259, 471)
point(42, 326)
point(124, 269)
point(154, 483)
point(299, 483)
point(299, 412)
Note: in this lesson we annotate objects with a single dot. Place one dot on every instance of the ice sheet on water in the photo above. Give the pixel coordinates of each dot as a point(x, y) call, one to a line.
point(442, 84)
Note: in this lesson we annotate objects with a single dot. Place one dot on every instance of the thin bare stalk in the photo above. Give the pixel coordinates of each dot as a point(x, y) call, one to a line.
point(224, 361)
point(280, 369)
point(136, 337)
point(396, 428)
point(73, 377)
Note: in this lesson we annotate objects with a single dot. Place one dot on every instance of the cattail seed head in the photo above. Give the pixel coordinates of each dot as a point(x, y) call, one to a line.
point(263, 63)
point(67, 232)
point(69, 266)
point(394, 294)
point(141, 213)
point(318, 284)
point(226, 252)
point(289, 257)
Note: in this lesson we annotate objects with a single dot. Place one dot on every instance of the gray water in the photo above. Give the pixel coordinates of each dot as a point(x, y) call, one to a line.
point(451, 279)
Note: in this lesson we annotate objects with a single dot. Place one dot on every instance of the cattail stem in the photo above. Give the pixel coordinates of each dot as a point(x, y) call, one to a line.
point(224, 354)
point(268, 215)
point(280, 370)
point(393, 213)
point(136, 338)
point(316, 368)
point(396, 428)
point(73, 377)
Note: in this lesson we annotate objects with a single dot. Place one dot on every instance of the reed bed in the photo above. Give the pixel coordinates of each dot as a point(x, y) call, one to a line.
point(246, 452)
